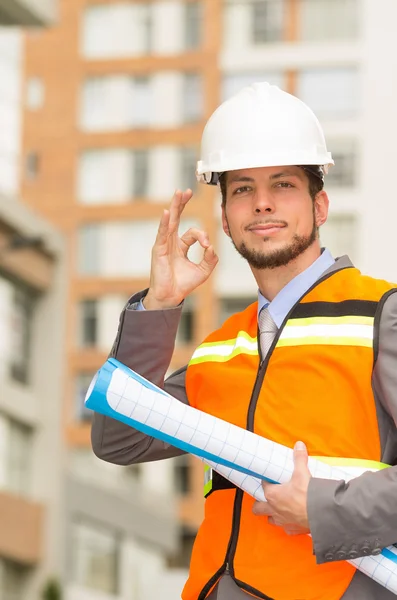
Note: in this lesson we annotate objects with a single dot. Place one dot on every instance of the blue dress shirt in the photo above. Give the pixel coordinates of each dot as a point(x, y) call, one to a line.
point(280, 306)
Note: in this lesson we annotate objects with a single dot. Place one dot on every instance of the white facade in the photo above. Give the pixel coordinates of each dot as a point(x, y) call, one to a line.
point(378, 132)
point(348, 76)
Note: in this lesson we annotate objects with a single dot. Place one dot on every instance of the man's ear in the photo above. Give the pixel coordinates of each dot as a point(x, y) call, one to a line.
point(321, 206)
point(225, 224)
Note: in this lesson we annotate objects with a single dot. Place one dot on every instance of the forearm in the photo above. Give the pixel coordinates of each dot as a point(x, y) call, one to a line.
point(145, 343)
point(145, 340)
point(360, 518)
point(349, 520)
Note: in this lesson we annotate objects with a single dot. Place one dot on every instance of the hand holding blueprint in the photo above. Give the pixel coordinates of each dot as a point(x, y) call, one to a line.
point(241, 456)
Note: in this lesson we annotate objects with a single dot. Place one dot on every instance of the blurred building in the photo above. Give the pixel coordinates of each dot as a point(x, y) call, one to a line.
point(32, 302)
point(60, 516)
point(116, 98)
point(32, 293)
point(115, 101)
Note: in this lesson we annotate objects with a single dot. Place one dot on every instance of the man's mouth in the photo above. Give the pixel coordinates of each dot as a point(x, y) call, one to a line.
point(266, 229)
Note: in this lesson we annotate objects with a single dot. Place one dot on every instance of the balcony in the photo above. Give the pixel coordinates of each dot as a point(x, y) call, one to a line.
point(28, 13)
point(21, 525)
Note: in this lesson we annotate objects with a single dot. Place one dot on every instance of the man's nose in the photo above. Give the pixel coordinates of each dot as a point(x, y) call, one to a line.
point(263, 202)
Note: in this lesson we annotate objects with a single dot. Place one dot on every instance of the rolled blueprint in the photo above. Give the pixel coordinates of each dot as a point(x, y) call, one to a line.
point(241, 456)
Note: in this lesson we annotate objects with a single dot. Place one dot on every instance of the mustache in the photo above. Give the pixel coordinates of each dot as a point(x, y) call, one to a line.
point(267, 222)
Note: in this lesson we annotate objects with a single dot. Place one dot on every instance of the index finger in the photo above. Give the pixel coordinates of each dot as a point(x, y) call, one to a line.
point(178, 203)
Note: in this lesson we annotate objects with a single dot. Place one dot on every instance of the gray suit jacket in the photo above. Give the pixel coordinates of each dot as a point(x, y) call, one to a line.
point(346, 520)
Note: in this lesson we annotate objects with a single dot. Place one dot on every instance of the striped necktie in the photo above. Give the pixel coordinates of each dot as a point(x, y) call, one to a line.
point(267, 330)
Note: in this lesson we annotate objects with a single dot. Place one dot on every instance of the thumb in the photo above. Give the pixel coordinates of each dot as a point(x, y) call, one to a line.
point(300, 455)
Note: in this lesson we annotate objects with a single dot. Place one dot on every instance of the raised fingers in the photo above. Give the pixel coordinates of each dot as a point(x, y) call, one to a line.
point(162, 232)
point(178, 203)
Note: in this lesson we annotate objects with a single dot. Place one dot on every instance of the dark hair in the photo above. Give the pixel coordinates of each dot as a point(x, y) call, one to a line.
point(314, 176)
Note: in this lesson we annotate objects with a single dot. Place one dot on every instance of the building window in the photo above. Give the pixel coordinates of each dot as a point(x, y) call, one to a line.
point(331, 93)
point(344, 173)
point(113, 176)
point(132, 473)
point(339, 235)
point(6, 301)
point(13, 580)
point(181, 558)
point(252, 22)
point(182, 470)
point(122, 248)
point(95, 557)
point(118, 30)
point(19, 453)
point(83, 381)
point(234, 82)
point(35, 93)
point(141, 105)
point(15, 456)
point(88, 313)
point(185, 334)
point(193, 24)
point(89, 247)
point(22, 310)
point(325, 20)
point(231, 306)
point(267, 21)
point(164, 100)
point(116, 103)
point(192, 98)
point(188, 158)
point(140, 182)
point(32, 166)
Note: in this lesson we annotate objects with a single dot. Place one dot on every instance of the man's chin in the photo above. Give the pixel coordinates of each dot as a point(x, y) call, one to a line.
point(276, 254)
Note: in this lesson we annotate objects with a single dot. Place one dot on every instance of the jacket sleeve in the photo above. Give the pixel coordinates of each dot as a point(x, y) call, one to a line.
point(145, 342)
point(359, 518)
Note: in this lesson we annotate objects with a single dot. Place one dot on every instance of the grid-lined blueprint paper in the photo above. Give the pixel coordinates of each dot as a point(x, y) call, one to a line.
point(241, 456)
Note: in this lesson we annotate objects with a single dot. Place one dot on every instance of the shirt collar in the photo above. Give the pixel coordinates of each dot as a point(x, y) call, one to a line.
point(289, 295)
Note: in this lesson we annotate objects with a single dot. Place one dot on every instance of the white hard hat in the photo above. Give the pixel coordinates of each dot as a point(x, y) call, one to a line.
point(261, 126)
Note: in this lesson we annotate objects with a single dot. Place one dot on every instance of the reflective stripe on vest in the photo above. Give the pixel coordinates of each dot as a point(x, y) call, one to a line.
point(224, 351)
point(207, 480)
point(334, 331)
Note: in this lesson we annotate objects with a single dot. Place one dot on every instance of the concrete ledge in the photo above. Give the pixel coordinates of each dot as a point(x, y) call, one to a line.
point(28, 13)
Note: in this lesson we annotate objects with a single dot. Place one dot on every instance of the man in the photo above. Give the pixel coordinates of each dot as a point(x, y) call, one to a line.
point(324, 372)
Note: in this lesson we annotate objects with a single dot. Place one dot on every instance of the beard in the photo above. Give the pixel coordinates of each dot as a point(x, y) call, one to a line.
point(279, 257)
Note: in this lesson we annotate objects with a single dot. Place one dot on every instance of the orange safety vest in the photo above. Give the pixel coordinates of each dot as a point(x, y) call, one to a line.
point(315, 386)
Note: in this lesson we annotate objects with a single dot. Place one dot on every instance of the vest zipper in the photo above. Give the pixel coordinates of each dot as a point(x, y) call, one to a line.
point(239, 493)
point(238, 499)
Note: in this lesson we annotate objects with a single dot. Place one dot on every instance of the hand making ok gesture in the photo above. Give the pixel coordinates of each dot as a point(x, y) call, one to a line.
point(173, 276)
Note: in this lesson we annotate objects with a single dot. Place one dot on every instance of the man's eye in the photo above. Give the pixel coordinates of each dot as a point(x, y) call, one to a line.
point(284, 184)
point(241, 190)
